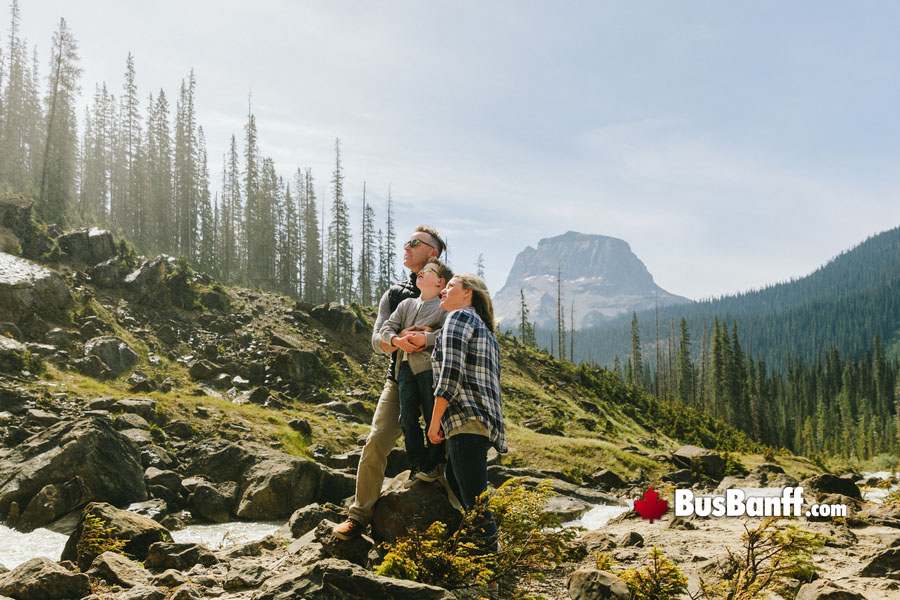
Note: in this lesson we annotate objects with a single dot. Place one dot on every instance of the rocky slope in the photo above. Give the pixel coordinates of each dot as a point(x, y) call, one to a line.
point(600, 275)
point(149, 387)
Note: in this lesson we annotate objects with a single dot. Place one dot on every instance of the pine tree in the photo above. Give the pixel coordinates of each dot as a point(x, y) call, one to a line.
point(313, 275)
point(206, 252)
point(232, 216)
point(159, 193)
point(526, 327)
point(636, 362)
point(560, 317)
point(186, 172)
point(479, 265)
point(685, 367)
point(340, 244)
point(366, 268)
point(255, 259)
point(386, 254)
point(57, 189)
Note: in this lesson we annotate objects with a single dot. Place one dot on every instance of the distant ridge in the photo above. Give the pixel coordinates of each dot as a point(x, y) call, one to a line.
point(845, 303)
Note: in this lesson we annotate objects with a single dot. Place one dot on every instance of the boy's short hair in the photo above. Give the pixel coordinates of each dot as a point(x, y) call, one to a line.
point(439, 243)
point(442, 270)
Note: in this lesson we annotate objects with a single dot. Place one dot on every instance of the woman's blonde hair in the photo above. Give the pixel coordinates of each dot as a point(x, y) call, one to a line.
point(481, 298)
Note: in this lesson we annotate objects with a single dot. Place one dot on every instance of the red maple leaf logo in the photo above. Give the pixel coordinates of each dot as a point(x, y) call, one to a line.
point(651, 507)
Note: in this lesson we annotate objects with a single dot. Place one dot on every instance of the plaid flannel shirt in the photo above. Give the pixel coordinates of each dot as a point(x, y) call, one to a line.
point(466, 365)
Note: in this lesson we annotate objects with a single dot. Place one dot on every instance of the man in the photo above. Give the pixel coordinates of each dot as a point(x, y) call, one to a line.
point(421, 246)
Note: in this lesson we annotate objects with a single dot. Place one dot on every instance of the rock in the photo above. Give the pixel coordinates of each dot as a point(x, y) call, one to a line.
point(142, 592)
point(202, 369)
point(41, 418)
point(157, 456)
point(42, 579)
point(884, 564)
point(144, 408)
point(679, 476)
point(140, 533)
point(831, 484)
point(146, 281)
point(886, 515)
point(53, 501)
point(170, 578)
point(117, 569)
point(155, 509)
point(108, 273)
point(301, 426)
point(113, 351)
point(273, 483)
point(107, 465)
point(355, 550)
point(167, 479)
point(605, 480)
point(335, 316)
point(334, 579)
point(89, 246)
point(140, 383)
point(826, 590)
point(92, 366)
point(396, 511)
point(172, 555)
point(205, 502)
point(296, 365)
point(307, 518)
point(632, 538)
point(567, 509)
point(592, 584)
point(245, 573)
point(215, 300)
point(13, 355)
point(27, 290)
point(699, 459)
point(130, 421)
point(186, 592)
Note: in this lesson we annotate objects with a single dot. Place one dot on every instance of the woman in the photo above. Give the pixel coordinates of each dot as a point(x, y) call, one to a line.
point(467, 406)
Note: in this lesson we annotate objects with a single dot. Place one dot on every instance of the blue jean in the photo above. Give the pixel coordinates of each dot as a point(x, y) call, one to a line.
point(467, 476)
point(417, 394)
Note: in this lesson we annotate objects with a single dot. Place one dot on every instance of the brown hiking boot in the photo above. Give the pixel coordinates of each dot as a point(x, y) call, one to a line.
point(349, 529)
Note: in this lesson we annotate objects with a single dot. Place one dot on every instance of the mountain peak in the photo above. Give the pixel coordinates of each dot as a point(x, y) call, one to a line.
point(601, 276)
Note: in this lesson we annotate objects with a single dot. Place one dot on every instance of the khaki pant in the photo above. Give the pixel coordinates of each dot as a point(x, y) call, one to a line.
point(384, 434)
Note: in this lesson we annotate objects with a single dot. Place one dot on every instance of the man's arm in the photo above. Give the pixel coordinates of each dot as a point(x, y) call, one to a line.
point(384, 312)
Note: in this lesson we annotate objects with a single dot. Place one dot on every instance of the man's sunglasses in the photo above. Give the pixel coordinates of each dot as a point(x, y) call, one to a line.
point(413, 243)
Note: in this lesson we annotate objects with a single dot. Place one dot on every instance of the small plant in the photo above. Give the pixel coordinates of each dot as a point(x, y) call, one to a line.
point(96, 538)
point(660, 580)
point(769, 455)
point(733, 465)
point(158, 435)
point(768, 559)
point(605, 561)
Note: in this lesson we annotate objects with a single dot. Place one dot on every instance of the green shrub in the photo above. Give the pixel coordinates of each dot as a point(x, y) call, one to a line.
point(531, 541)
point(158, 435)
point(660, 580)
point(733, 465)
point(98, 537)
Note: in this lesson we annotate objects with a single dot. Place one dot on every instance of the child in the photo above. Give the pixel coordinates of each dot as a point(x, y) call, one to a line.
point(414, 375)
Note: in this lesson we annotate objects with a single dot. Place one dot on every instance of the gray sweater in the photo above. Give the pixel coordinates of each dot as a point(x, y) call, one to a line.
point(415, 311)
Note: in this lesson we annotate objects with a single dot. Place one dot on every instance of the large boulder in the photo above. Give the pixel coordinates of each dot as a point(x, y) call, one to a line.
point(103, 526)
point(106, 464)
point(89, 246)
point(335, 579)
point(592, 584)
point(172, 555)
point(272, 484)
point(42, 579)
point(700, 460)
point(28, 289)
point(14, 356)
point(293, 364)
point(831, 484)
point(399, 510)
point(18, 230)
point(117, 355)
point(117, 569)
point(884, 564)
point(338, 317)
point(146, 281)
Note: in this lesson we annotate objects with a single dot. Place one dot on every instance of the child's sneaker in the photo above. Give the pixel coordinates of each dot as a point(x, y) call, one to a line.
point(412, 479)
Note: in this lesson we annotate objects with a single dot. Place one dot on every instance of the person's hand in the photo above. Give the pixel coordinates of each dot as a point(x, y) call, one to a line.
point(435, 433)
point(417, 338)
point(401, 341)
point(387, 348)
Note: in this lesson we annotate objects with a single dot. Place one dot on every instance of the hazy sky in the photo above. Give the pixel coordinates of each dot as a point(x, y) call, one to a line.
point(731, 145)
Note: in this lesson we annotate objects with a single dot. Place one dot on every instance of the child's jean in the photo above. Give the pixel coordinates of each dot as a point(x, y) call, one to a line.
point(467, 476)
point(417, 394)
